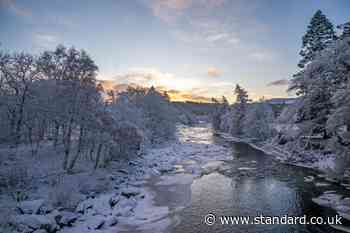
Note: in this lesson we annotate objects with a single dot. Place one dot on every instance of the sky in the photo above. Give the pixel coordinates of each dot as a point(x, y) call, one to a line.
point(192, 48)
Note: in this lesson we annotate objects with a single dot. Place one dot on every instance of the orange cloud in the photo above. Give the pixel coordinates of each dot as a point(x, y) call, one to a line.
point(175, 95)
point(213, 72)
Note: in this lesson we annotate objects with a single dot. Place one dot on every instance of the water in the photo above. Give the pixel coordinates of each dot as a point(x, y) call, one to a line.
point(251, 184)
point(270, 189)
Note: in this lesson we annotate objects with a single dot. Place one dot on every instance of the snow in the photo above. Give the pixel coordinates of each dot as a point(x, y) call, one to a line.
point(322, 184)
point(309, 179)
point(31, 207)
point(316, 161)
point(118, 197)
point(180, 178)
point(328, 199)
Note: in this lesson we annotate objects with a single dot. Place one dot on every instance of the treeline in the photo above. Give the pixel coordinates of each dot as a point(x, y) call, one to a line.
point(320, 117)
point(244, 119)
point(54, 98)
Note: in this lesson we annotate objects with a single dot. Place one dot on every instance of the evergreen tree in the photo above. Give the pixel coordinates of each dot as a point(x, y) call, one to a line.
point(239, 110)
point(221, 108)
point(319, 34)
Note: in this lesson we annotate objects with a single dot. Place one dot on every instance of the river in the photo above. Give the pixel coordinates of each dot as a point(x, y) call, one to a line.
point(250, 183)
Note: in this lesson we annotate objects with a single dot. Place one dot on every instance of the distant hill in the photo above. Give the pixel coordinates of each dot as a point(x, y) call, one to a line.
point(196, 108)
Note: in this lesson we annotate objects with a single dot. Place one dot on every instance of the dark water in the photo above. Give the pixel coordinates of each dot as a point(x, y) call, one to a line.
point(268, 188)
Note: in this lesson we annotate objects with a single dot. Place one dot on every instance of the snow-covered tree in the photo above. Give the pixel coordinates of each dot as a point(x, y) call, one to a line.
point(258, 121)
point(339, 120)
point(318, 82)
point(159, 115)
point(239, 110)
point(345, 27)
point(320, 33)
point(221, 108)
point(18, 71)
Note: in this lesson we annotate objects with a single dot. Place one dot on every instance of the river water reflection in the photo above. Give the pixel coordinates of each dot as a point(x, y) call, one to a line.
point(253, 184)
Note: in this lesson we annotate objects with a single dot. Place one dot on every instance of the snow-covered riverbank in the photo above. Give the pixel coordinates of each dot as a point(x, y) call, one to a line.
point(125, 201)
point(320, 162)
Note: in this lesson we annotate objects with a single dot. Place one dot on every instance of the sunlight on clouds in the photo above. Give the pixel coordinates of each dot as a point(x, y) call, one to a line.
point(213, 72)
point(153, 77)
point(179, 89)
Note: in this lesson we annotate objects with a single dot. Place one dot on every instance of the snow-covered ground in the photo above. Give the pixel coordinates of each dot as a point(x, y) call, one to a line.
point(111, 199)
point(320, 162)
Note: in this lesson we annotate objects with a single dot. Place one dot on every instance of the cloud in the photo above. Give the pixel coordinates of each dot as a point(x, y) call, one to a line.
point(281, 82)
point(213, 72)
point(15, 8)
point(169, 10)
point(261, 56)
point(143, 76)
point(175, 95)
point(150, 76)
point(45, 41)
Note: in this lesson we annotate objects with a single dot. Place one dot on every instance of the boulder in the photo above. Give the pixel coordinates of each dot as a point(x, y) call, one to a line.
point(84, 206)
point(96, 223)
point(130, 192)
point(40, 231)
point(111, 221)
point(35, 222)
point(114, 200)
point(67, 218)
point(31, 207)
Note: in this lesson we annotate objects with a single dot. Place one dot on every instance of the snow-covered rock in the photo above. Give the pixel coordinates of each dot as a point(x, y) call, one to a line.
point(308, 179)
point(35, 222)
point(114, 200)
point(96, 223)
point(31, 207)
point(328, 199)
point(66, 218)
point(40, 231)
point(130, 192)
point(322, 184)
point(84, 206)
point(111, 221)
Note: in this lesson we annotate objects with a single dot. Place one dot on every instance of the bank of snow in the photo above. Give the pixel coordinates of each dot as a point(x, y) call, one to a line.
point(124, 200)
point(317, 161)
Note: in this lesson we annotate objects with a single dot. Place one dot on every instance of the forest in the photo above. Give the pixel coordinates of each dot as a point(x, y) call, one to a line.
point(316, 124)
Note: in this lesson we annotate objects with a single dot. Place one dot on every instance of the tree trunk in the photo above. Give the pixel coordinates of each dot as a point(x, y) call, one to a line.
point(20, 117)
point(80, 143)
point(98, 155)
point(57, 132)
point(67, 144)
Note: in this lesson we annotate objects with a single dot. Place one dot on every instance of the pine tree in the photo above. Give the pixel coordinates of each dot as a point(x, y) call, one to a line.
point(239, 110)
point(319, 34)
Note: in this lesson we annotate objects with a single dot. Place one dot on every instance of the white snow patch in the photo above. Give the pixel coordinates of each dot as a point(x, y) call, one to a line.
point(176, 179)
